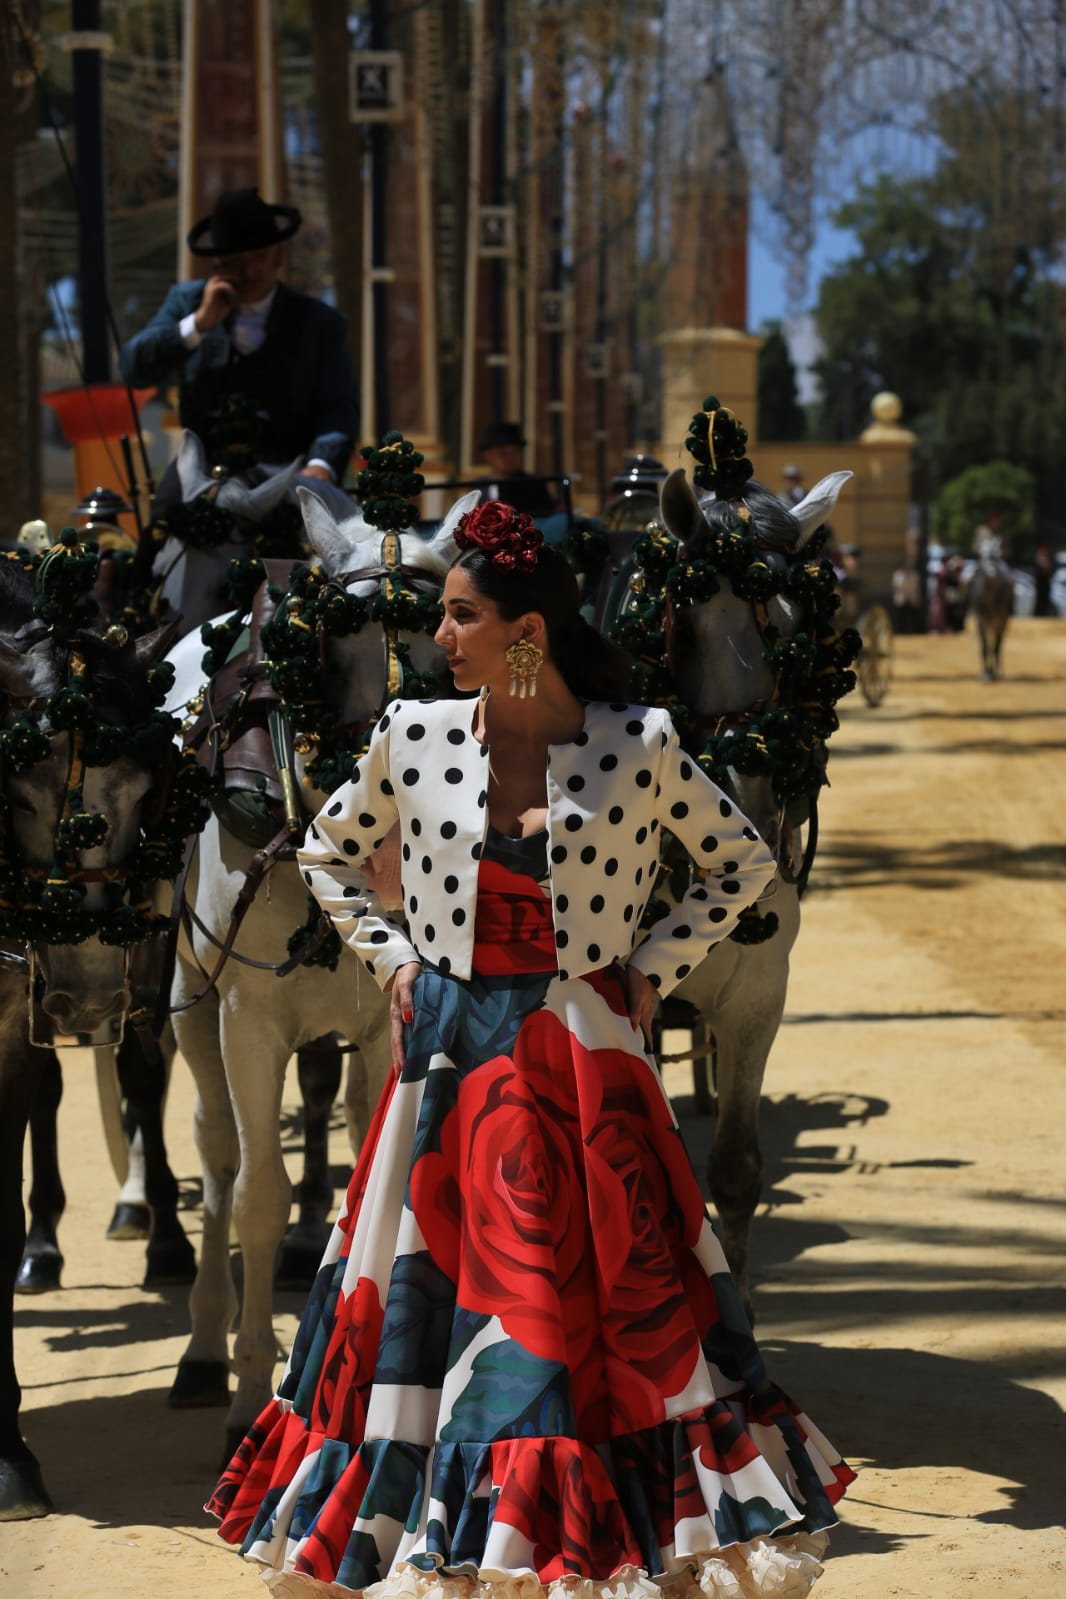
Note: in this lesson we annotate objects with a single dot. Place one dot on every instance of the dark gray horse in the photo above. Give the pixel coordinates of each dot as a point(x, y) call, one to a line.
point(991, 599)
point(74, 989)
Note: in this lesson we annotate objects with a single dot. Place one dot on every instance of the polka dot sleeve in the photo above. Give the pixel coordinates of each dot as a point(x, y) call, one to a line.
point(351, 825)
point(720, 838)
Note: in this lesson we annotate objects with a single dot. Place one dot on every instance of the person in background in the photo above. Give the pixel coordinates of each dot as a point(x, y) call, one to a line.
point(240, 330)
point(906, 598)
point(501, 448)
point(793, 490)
point(1043, 572)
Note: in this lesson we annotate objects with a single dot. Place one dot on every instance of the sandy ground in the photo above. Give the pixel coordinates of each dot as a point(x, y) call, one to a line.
point(910, 1279)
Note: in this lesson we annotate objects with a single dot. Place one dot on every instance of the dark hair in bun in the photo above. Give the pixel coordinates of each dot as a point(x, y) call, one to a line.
point(591, 667)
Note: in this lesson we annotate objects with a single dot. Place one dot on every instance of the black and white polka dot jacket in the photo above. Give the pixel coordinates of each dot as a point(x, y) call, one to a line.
point(610, 794)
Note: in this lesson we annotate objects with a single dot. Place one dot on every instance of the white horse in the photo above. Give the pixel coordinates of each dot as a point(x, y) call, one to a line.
point(191, 580)
point(239, 1038)
point(740, 989)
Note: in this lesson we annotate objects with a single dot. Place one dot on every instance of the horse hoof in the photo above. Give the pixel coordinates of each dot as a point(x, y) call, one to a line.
point(23, 1495)
point(298, 1263)
point(39, 1274)
point(169, 1262)
point(130, 1221)
point(199, 1384)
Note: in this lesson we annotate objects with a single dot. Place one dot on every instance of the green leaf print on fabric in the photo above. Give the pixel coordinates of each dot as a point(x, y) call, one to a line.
point(740, 1520)
point(513, 1394)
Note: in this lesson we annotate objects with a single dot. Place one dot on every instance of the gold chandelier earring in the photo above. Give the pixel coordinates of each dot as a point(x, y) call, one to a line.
point(524, 661)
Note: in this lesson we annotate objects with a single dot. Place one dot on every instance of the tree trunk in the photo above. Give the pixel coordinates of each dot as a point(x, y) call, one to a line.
point(342, 162)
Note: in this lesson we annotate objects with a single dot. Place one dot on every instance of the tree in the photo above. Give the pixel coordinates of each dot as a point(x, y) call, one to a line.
point(781, 417)
point(966, 502)
point(954, 301)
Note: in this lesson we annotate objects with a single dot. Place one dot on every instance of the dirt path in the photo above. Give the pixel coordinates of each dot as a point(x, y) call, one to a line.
point(910, 1280)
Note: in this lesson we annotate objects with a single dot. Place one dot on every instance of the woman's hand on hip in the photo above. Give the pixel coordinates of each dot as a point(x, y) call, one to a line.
point(643, 998)
point(402, 1008)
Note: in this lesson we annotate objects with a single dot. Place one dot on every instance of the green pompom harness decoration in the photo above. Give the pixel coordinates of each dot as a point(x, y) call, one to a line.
point(782, 737)
point(316, 607)
point(46, 905)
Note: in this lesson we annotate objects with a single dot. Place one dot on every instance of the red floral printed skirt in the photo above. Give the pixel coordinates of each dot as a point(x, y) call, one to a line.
point(524, 1358)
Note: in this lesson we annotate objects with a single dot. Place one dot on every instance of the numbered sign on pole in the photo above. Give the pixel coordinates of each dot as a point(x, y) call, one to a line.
point(375, 85)
point(495, 230)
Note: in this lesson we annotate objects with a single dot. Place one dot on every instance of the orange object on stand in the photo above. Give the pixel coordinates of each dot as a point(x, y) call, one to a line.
point(93, 419)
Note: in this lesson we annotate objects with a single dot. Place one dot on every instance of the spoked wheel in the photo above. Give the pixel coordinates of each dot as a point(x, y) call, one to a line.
point(874, 665)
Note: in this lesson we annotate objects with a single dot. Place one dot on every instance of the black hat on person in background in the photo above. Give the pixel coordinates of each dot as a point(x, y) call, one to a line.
point(242, 221)
point(641, 472)
point(497, 433)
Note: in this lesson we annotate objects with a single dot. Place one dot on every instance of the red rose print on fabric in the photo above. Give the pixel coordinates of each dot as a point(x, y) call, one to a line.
point(556, 1492)
point(522, 1247)
point(348, 1368)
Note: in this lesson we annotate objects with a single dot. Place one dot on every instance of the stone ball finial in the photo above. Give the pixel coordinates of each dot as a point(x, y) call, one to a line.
point(886, 407)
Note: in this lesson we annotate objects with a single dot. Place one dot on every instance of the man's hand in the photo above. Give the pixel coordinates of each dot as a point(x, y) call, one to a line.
point(401, 1009)
point(219, 299)
point(317, 471)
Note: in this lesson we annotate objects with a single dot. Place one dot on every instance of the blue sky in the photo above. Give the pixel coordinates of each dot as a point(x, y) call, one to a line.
point(767, 295)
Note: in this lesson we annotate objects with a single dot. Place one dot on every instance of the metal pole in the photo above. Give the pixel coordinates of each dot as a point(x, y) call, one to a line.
point(92, 196)
point(497, 189)
point(379, 219)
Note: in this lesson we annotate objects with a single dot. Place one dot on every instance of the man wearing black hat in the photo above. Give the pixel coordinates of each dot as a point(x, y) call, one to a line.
point(242, 331)
point(501, 447)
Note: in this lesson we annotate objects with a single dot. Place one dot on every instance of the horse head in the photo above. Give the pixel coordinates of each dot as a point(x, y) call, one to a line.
point(717, 646)
point(49, 789)
point(220, 514)
point(361, 558)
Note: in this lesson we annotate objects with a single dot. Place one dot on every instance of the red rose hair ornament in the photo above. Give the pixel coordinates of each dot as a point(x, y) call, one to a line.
point(508, 538)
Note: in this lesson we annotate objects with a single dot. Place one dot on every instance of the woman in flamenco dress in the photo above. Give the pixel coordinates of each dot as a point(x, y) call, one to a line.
point(524, 1368)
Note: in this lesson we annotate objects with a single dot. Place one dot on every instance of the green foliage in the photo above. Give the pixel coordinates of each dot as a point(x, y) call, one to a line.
point(953, 298)
point(965, 502)
point(781, 417)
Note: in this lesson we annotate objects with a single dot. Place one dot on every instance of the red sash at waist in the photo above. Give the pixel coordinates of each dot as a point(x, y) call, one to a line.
point(513, 929)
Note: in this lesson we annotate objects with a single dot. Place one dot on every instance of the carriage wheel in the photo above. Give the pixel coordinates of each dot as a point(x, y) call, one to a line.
point(874, 665)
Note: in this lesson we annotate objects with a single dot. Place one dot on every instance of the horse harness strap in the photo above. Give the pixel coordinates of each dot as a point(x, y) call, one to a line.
point(280, 848)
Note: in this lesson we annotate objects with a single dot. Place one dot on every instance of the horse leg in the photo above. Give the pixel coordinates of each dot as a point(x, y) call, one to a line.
point(319, 1068)
point(143, 1073)
point(22, 1491)
point(368, 1069)
point(42, 1263)
point(131, 1217)
point(202, 1377)
point(255, 1071)
point(744, 1035)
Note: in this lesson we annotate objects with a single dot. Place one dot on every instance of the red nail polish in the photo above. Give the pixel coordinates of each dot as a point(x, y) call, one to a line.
point(408, 1015)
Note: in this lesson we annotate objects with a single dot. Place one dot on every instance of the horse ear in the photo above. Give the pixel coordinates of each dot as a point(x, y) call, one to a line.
point(332, 541)
point(680, 507)
point(193, 475)
point(151, 647)
point(16, 671)
point(255, 504)
point(27, 673)
point(816, 507)
point(442, 544)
